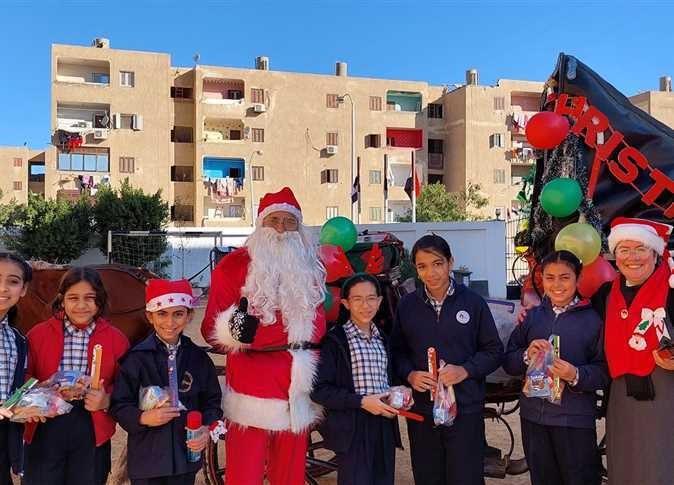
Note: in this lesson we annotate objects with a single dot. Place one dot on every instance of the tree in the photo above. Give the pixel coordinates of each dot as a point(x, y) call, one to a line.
point(55, 231)
point(130, 209)
point(435, 204)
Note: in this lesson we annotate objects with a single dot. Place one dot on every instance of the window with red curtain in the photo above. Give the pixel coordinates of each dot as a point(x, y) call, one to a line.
point(404, 138)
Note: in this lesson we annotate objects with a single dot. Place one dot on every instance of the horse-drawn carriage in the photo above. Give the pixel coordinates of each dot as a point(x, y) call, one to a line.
point(125, 287)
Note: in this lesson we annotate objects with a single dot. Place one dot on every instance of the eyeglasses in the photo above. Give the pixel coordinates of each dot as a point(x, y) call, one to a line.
point(639, 251)
point(289, 223)
point(360, 301)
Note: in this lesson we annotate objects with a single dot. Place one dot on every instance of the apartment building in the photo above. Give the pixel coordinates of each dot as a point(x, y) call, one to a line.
point(215, 139)
point(23, 170)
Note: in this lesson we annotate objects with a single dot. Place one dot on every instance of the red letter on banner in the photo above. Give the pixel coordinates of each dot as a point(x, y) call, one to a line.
point(662, 182)
point(586, 122)
point(624, 170)
point(576, 108)
point(604, 151)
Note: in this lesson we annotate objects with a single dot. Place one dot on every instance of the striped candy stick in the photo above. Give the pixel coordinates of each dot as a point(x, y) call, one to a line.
point(96, 358)
point(433, 367)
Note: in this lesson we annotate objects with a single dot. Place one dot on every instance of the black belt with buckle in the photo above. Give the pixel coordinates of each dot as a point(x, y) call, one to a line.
point(293, 346)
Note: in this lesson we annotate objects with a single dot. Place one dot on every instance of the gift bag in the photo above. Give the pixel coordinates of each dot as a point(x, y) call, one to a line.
point(539, 381)
point(400, 397)
point(70, 384)
point(444, 407)
point(155, 397)
point(39, 402)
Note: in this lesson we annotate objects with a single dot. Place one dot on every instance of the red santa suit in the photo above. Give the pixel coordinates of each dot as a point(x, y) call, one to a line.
point(266, 397)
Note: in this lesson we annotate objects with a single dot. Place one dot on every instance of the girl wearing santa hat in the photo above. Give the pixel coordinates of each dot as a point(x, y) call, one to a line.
point(638, 307)
point(74, 448)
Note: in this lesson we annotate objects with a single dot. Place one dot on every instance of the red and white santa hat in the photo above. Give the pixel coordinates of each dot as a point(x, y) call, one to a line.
point(283, 200)
point(654, 235)
point(160, 294)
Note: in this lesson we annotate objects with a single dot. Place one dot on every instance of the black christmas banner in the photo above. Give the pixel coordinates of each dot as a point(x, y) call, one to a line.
point(622, 157)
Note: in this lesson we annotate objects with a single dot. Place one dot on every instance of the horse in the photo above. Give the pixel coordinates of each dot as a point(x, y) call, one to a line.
point(125, 286)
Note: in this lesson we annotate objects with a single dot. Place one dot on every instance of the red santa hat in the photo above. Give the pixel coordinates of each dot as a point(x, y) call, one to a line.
point(283, 200)
point(654, 235)
point(161, 294)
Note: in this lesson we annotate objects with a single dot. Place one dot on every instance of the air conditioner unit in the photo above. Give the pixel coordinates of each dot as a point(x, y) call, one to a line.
point(259, 108)
point(101, 134)
point(331, 149)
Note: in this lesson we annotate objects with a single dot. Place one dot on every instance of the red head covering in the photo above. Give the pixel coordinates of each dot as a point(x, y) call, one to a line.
point(283, 200)
point(161, 294)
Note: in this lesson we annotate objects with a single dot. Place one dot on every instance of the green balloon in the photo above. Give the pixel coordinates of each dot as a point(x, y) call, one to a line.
point(561, 197)
point(581, 239)
point(329, 300)
point(339, 231)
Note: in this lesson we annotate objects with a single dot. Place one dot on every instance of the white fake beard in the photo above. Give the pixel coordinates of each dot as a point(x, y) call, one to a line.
point(285, 274)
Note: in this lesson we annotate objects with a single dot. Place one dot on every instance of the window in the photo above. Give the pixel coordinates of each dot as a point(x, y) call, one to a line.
point(499, 103)
point(235, 211)
point(84, 161)
point(234, 94)
point(181, 93)
point(101, 121)
point(127, 164)
point(435, 145)
point(234, 134)
point(125, 121)
point(375, 214)
point(257, 95)
point(375, 103)
point(100, 78)
point(375, 177)
point(497, 140)
point(18, 162)
point(182, 173)
point(127, 79)
point(258, 173)
point(434, 110)
point(17, 185)
point(372, 141)
point(331, 100)
point(182, 213)
point(329, 176)
point(435, 178)
point(258, 135)
point(331, 211)
point(331, 138)
point(181, 134)
point(499, 176)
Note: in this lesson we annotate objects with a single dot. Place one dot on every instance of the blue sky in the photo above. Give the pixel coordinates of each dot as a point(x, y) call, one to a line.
point(630, 46)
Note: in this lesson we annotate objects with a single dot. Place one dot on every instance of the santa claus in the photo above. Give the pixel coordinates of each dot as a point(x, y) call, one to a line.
point(265, 310)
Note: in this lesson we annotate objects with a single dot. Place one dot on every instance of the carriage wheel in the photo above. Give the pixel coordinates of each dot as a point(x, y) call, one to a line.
point(213, 465)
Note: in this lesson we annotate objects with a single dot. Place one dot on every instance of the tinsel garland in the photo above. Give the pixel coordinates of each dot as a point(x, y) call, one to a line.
point(566, 160)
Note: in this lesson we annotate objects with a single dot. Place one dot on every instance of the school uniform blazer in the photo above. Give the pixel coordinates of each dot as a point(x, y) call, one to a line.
point(15, 433)
point(464, 334)
point(45, 349)
point(334, 390)
point(580, 331)
point(160, 451)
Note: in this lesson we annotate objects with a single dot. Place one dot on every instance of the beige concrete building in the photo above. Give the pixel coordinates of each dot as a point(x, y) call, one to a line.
point(22, 171)
point(659, 104)
point(215, 139)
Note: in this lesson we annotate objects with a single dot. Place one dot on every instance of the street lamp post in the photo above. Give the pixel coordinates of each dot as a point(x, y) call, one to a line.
point(252, 194)
point(355, 216)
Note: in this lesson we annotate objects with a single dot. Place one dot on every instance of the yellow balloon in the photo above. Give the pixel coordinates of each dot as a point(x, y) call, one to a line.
point(581, 239)
point(521, 249)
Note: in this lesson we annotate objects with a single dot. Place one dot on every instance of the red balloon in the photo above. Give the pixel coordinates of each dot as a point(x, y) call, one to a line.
point(594, 275)
point(332, 314)
point(335, 261)
point(547, 130)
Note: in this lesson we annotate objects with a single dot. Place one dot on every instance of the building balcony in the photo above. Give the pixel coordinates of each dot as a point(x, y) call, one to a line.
point(83, 71)
point(220, 130)
point(517, 121)
point(403, 101)
point(82, 118)
point(404, 138)
point(521, 156)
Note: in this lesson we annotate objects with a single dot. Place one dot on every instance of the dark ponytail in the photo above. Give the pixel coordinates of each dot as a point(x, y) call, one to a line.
point(27, 275)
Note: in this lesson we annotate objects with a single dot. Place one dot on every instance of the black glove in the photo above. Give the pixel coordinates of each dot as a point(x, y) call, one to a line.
point(243, 326)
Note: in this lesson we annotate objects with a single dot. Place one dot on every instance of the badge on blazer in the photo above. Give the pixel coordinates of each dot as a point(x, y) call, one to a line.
point(462, 316)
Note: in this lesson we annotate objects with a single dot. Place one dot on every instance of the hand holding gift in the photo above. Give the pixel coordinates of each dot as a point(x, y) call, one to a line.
point(374, 404)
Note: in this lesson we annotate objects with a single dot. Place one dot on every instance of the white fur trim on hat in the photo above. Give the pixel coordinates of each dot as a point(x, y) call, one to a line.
point(279, 207)
point(169, 300)
point(670, 262)
point(636, 232)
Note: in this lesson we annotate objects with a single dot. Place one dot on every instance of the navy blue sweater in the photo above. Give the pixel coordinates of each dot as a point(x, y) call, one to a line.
point(161, 451)
point(334, 390)
point(473, 344)
point(15, 430)
point(580, 331)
